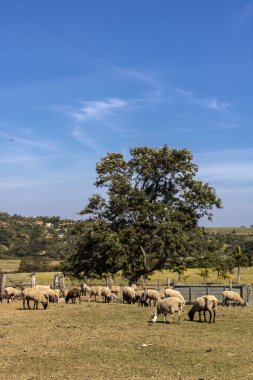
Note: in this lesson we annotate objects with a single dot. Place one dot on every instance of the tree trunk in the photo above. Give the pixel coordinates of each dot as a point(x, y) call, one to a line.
point(238, 274)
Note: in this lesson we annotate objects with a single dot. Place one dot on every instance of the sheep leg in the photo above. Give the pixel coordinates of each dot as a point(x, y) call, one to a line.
point(24, 303)
point(164, 318)
point(214, 315)
point(171, 318)
point(204, 315)
point(199, 316)
point(179, 316)
point(210, 313)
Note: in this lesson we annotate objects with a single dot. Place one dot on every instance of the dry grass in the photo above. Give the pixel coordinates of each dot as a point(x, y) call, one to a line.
point(9, 265)
point(247, 231)
point(105, 341)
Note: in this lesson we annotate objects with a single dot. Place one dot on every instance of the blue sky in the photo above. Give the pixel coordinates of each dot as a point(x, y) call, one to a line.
point(82, 78)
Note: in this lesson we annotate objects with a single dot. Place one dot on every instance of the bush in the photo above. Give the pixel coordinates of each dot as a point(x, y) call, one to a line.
point(35, 264)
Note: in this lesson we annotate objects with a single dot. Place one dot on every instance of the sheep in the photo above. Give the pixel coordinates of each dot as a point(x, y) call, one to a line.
point(128, 295)
point(174, 293)
point(11, 293)
point(42, 287)
point(206, 303)
point(94, 291)
point(107, 294)
point(134, 286)
point(36, 295)
point(73, 294)
point(140, 298)
point(170, 305)
point(53, 294)
point(115, 289)
point(230, 296)
point(152, 295)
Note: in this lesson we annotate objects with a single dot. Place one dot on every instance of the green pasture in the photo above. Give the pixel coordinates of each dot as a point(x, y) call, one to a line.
point(117, 341)
point(160, 277)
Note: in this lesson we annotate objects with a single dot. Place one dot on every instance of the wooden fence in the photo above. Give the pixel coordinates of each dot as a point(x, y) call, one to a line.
point(16, 280)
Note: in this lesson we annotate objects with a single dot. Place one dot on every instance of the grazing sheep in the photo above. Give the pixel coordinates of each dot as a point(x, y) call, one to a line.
point(42, 287)
point(11, 293)
point(115, 289)
point(152, 295)
point(128, 295)
point(206, 303)
point(134, 286)
point(170, 305)
point(94, 291)
point(229, 296)
point(140, 298)
point(82, 291)
point(53, 294)
point(73, 294)
point(174, 293)
point(36, 295)
point(107, 294)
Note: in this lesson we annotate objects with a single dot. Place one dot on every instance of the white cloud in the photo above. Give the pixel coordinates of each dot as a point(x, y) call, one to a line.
point(212, 103)
point(98, 109)
point(139, 75)
point(231, 168)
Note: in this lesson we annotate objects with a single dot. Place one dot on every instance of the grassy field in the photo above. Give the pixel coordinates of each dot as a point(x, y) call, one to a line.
point(116, 341)
point(191, 276)
point(248, 231)
point(9, 265)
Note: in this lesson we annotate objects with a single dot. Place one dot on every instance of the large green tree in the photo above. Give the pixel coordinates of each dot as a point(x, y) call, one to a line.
point(148, 218)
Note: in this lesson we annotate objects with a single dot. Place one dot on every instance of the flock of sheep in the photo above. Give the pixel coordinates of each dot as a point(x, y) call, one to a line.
point(168, 302)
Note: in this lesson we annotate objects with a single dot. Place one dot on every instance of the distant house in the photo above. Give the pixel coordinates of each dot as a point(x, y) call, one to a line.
point(39, 222)
point(49, 225)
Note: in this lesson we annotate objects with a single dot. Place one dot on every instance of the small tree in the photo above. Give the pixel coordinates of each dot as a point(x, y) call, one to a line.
point(204, 273)
point(35, 264)
point(225, 275)
point(180, 270)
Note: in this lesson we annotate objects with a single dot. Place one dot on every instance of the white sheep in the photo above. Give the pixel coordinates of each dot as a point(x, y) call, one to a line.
point(115, 289)
point(208, 304)
point(128, 295)
point(174, 293)
point(94, 291)
point(170, 305)
point(152, 295)
point(107, 294)
point(11, 293)
point(42, 287)
point(36, 295)
point(53, 294)
point(230, 296)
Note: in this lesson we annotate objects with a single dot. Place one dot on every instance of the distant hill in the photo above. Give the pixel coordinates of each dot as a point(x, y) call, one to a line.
point(248, 231)
point(45, 236)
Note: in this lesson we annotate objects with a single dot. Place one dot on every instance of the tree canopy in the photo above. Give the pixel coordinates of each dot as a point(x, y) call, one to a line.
point(148, 218)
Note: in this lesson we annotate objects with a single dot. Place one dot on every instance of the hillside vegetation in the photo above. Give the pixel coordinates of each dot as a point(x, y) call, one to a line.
point(40, 244)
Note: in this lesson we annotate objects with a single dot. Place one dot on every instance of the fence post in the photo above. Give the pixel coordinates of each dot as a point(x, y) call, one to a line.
point(158, 284)
point(230, 284)
point(168, 282)
point(56, 281)
point(2, 285)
